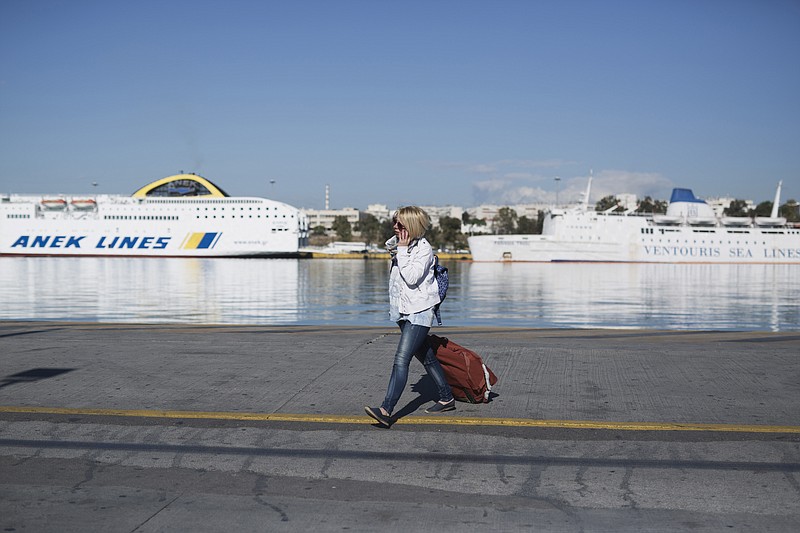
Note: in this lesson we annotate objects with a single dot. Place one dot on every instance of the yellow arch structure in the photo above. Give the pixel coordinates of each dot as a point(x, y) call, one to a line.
point(215, 192)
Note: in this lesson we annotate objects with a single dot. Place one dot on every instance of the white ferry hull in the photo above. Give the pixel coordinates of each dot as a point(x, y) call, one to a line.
point(584, 236)
point(538, 248)
point(191, 226)
point(166, 241)
point(756, 248)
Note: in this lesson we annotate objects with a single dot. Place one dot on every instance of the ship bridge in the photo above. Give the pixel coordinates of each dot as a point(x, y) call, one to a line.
point(181, 185)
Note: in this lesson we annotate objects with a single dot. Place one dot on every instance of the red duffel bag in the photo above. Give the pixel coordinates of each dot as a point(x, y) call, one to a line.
point(470, 379)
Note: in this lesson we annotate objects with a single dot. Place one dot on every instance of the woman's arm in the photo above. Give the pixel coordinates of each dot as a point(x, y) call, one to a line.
point(414, 263)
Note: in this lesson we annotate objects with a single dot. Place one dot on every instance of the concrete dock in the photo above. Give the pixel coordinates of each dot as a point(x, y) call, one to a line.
point(118, 427)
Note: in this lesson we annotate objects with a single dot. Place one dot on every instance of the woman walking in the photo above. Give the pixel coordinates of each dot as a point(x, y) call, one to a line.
point(413, 293)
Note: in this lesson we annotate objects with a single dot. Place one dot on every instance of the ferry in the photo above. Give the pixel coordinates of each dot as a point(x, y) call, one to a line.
point(184, 215)
point(689, 232)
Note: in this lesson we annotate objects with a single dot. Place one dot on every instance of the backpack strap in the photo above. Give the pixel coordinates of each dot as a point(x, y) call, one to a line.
point(436, 268)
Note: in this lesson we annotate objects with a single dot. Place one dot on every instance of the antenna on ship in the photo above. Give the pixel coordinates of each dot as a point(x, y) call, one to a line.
point(558, 188)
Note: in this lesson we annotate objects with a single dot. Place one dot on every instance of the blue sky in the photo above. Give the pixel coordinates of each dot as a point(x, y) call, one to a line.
point(415, 102)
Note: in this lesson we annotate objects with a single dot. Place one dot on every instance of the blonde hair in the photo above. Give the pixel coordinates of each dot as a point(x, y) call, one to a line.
point(415, 220)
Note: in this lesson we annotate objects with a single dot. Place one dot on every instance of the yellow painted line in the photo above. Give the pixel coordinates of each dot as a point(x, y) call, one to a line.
point(443, 420)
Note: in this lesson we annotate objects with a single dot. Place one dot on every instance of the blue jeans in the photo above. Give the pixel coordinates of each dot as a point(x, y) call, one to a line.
point(414, 343)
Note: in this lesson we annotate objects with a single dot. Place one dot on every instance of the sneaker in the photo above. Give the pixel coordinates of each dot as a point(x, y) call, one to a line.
point(439, 407)
point(376, 413)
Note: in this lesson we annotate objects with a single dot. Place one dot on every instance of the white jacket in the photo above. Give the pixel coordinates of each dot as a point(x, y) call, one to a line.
point(414, 273)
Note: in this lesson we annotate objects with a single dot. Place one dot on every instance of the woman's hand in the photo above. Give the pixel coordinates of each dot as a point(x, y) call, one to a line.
point(402, 237)
point(401, 232)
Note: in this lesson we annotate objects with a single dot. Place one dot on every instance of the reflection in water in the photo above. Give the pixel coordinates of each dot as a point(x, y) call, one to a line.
point(638, 295)
point(345, 291)
point(150, 290)
point(290, 291)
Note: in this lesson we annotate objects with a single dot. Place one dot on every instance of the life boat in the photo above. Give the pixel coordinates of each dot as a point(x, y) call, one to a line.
point(701, 221)
point(770, 222)
point(54, 204)
point(667, 220)
point(83, 204)
point(736, 221)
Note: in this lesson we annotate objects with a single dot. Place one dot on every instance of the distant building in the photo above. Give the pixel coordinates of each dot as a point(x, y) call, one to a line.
point(437, 212)
point(488, 212)
point(379, 211)
point(325, 217)
point(530, 211)
point(721, 204)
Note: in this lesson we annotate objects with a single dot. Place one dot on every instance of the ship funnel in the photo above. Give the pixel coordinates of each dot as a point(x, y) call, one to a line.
point(777, 201)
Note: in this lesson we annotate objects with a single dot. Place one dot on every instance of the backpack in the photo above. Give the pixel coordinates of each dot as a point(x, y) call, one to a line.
point(442, 279)
point(469, 378)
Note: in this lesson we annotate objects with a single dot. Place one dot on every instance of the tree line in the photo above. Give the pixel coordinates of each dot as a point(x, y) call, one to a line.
point(737, 208)
point(449, 232)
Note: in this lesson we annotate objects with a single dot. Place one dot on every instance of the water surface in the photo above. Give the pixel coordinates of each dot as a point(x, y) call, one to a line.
point(354, 292)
